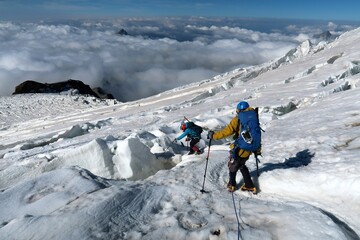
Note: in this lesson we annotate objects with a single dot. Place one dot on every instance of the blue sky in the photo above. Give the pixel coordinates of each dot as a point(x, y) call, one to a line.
point(62, 9)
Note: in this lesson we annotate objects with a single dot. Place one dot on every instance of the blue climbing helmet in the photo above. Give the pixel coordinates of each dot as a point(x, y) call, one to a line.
point(242, 106)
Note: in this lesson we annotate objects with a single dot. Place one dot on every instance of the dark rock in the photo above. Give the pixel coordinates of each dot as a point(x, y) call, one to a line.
point(100, 92)
point(36, 87)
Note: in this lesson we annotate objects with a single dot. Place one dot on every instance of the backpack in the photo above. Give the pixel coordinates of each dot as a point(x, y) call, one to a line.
point(250, 135)
point(195, 127)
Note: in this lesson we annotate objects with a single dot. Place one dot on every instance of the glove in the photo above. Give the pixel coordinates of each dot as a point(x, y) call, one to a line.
point(210, 134)
point(175, 140)
point(258, 152)
point(187, 139)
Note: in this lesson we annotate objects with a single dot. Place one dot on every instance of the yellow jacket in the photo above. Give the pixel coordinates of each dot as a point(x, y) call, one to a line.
point(231, 129)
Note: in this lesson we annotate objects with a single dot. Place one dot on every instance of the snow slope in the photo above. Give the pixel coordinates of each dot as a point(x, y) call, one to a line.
point(73, 167)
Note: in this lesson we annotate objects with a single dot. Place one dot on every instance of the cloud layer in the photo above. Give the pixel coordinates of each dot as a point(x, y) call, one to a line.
point(157, 55)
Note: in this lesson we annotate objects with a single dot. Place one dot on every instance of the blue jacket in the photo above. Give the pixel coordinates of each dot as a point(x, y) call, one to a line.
point(188, 132)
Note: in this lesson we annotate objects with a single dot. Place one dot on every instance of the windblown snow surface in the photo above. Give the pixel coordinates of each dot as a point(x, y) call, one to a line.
point(74, 167)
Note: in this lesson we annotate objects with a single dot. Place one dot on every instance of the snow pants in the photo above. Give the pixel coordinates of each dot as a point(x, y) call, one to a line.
point(235, 164)
point(193, 147)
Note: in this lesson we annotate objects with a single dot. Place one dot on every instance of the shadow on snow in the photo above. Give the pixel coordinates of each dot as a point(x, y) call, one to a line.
point(301, 159)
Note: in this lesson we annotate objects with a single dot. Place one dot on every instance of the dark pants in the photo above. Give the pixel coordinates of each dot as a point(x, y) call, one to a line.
point(193, 142)
point(236, 165)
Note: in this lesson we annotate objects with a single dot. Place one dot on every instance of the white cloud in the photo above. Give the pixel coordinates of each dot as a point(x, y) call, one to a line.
point(302, 37)
point(156, 56)
point(332, 26)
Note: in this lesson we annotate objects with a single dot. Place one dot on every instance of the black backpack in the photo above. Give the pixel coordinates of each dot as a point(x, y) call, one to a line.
point(195, 127)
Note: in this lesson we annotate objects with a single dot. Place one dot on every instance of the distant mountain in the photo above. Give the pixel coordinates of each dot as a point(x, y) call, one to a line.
point(122, 32)
point(325, 36)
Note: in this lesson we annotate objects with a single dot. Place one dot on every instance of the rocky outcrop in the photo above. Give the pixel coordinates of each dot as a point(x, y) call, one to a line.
point(36, 87)
point(102, 94)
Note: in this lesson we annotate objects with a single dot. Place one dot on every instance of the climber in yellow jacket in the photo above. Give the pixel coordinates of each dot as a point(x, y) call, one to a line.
point(238, 156)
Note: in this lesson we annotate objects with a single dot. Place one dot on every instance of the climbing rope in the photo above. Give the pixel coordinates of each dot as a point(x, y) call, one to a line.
point(237, 217)
point(240, 213)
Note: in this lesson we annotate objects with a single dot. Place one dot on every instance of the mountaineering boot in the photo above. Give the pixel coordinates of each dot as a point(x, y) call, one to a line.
point(232, 182)
point(230, 188)
point(246, 176)
point(249, 189)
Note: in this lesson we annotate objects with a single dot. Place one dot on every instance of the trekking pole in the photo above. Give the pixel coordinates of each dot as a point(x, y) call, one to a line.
point(207, 159)
point(186, 119)
point(257, 165)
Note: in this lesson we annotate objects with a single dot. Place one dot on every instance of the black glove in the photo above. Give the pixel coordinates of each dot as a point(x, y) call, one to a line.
point(258, 152)
point(210, 134)
point(175, 140)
